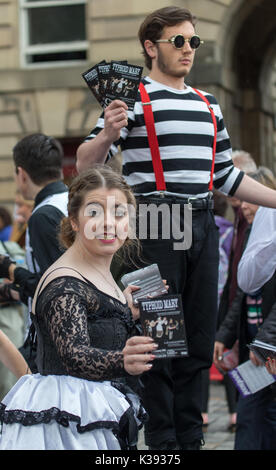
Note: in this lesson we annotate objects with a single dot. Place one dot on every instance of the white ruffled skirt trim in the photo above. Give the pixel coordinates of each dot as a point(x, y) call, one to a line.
point(64, 412)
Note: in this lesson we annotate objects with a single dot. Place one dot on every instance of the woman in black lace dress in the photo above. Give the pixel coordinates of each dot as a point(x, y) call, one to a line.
point(87, 343)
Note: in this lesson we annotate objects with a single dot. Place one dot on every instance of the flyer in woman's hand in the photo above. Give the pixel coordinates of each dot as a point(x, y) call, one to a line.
point(162, 318)
point(149, 281)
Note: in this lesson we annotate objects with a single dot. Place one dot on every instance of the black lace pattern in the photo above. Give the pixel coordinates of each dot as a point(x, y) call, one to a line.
point(121, 430)
point(81, 330)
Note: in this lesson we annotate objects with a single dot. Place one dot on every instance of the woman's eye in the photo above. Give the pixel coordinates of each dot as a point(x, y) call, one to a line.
point(93, 211)
point(120, 212)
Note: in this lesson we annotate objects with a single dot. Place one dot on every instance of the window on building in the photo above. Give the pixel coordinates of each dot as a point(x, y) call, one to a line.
point(53, 31)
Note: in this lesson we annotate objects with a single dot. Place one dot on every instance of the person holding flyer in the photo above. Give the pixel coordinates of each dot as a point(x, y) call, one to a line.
point(175, 147)
point(88, 347)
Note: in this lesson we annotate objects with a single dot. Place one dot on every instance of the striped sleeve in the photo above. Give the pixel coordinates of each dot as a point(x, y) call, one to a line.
point(226, 177)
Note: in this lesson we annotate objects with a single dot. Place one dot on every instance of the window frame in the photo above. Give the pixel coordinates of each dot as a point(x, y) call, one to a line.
point(28, 49)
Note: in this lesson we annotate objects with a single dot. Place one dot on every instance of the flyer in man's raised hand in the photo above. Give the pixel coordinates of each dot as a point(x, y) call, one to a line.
point(123, 83)
point(91, 78)
point(113, 80)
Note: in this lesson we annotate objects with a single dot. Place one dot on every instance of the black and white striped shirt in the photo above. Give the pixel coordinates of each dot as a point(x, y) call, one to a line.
point(185, 133)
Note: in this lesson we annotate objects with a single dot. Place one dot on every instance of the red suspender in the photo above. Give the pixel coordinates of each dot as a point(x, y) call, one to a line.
point(152, 139)
point(215, 136)
point(153, 142)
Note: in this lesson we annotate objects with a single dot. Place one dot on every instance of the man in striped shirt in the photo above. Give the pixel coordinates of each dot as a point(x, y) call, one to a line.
point(185, 133)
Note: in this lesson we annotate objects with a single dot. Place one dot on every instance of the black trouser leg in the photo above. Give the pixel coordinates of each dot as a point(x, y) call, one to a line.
point(172, 395)
point(205, 386)
point(200, 310)
point(231, 394)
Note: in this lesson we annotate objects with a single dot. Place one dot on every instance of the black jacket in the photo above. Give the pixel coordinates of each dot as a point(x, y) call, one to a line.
point(234, 325)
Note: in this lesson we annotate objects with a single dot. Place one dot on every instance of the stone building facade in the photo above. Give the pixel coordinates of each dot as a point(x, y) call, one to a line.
point(42, 90)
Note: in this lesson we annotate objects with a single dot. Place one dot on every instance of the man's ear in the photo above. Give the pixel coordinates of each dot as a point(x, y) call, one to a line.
point(22, 174)
point(150, 48)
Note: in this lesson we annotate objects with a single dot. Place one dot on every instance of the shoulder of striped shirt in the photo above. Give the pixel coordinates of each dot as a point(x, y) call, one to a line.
point(158, 87)
point(131, 114)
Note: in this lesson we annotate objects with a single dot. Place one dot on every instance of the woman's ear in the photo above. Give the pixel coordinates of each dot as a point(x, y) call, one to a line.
point(74, 225)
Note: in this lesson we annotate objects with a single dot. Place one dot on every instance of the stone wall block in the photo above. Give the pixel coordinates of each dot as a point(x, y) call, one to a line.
point(52, 110)
point(99, 8)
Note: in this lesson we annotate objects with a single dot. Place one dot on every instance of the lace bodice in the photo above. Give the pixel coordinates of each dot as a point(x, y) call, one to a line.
point(81, 331)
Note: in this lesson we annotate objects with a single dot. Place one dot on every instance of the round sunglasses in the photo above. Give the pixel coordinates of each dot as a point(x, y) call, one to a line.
point(178, 41)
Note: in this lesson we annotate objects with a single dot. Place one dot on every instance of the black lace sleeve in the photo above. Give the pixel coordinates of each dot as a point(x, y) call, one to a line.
point(66, 321)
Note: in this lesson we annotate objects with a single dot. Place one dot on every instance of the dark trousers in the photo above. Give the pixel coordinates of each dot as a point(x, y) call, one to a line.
point(172, 389)
point(256, 421)
point(230, 392)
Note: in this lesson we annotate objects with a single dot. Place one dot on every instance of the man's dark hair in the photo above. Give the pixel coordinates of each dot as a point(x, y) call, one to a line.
point(153, 25)
point(40, 156)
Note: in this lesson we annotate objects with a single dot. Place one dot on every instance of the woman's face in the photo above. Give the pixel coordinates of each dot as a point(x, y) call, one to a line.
point(249, 211)
point(103, 221)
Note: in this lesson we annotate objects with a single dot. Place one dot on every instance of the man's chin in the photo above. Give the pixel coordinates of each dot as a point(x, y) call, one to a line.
point(178, 73)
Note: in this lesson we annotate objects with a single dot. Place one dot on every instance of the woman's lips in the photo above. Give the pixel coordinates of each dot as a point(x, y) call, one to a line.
point(107, 238)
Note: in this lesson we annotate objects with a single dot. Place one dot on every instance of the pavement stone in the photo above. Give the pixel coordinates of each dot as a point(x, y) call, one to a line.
point(217, 436)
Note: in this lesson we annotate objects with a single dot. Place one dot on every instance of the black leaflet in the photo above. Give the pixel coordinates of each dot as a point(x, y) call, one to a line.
point(91, 77)
point(162, 318)
point(114, 80)
point(123, 83)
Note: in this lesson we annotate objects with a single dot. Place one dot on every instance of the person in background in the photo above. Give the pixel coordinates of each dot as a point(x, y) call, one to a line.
point(226, 232)
point(12, 319)
point(13, 326)
point(250, 317)
point(38, 173)
point(22, 213)
point(244, 161)
point(257, 266)
point(5, 224)
point(271, 366)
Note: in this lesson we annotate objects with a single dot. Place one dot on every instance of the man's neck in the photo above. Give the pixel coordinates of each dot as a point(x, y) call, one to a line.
point(37, 189)
point(173, 82)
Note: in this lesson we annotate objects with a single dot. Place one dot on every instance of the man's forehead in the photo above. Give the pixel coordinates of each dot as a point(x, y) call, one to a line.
point(179, 28)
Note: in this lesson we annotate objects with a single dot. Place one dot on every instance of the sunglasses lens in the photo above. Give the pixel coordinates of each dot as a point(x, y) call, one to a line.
point(195, 42)
point(179, 41)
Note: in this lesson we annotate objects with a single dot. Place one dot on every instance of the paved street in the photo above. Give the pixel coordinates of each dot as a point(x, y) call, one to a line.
point(217, 437)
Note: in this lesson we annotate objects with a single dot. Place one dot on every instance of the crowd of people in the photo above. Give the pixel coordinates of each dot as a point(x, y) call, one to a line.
point(85, 375)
